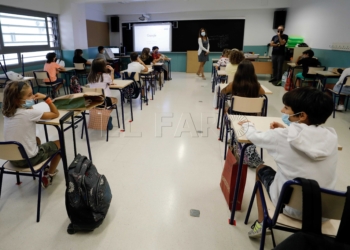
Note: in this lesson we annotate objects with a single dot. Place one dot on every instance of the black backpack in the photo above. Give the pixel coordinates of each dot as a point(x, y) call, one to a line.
point(88, 196)
point(133, 90)
point(310, 236)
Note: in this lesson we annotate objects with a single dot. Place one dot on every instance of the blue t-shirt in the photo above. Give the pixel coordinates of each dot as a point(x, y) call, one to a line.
point(280, 49)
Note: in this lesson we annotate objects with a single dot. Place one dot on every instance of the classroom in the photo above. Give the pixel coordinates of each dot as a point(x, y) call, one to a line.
point(183, 139)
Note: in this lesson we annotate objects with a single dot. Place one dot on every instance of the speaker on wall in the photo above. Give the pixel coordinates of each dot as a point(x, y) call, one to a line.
point(114, 24)
point(279, 18)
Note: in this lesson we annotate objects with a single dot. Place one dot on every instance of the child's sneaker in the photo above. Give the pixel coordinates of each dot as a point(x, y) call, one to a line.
point(45, 178)
point(340, 107)
point(256, 231)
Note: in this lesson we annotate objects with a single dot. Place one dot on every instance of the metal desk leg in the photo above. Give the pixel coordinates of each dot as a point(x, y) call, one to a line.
point(220, 101)
point(169, 68)
point(238, 182)
point(46, 135)
point(132, 117)
point(87, 134)
point(146, 92)
point(218, 94)
point(122, 104)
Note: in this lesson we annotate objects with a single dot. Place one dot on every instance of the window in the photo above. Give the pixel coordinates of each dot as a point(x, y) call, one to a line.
point(19, 30)
point(10, 59)
point(35, 56)
point(27, 34)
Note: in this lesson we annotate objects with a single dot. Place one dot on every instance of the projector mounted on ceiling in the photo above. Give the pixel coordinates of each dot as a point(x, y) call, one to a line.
point(144, 18)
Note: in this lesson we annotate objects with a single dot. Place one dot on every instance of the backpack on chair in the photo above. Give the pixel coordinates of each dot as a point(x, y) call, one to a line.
point(133, 90)
point(74, 85)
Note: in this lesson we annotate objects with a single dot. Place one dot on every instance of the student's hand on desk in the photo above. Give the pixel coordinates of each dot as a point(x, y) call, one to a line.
point(39, 96)
point(274, 125)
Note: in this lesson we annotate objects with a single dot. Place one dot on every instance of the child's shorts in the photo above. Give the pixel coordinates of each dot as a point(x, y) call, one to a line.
point(266, 176)
point(45, 151)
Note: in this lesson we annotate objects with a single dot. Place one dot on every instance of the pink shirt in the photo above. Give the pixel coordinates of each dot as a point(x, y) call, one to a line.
point(51, 68)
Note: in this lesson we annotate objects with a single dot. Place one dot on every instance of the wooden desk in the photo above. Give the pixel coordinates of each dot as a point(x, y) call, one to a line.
point(192, 61)
point(324, 75)
point(262, 67)
point(120, 85)
point(267, 91)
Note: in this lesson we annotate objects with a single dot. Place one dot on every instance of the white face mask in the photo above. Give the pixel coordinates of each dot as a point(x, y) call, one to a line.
point(203, 33)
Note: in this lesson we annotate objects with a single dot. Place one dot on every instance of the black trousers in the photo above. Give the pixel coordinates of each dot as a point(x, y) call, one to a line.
point(277, 65)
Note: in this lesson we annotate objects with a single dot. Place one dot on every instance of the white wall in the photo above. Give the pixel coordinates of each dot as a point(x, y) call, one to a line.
point(50, 6)
point(258, 24)
point(95, 12)
point(319, 22)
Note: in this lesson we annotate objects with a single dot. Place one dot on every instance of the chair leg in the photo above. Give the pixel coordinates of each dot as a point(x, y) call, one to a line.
point(107, 133)
point(263, 235)
point(116, 110)
point(1, 174)
point(251, 203)
point(273, 238)
point(18, 179)
point(39, 200)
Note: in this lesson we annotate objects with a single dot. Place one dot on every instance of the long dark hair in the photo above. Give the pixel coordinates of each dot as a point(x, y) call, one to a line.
point(245, 82)
point(145, 54)
point(50, 57)
point(13, 94)
point(78, 52)
point(98, 67)
point(200, 31)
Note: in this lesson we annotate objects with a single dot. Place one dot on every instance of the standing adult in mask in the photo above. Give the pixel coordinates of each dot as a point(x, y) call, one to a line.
point(203, 51)
point(278, 42)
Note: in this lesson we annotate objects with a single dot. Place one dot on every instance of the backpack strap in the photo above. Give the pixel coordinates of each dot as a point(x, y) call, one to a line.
point(344, 230)
point(312, 207)
point(78, 166)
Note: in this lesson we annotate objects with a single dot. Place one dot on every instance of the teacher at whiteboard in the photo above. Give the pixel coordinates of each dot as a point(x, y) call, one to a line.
point(203, 51)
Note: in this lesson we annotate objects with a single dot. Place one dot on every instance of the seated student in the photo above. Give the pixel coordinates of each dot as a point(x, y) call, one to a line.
point(246, 77)
point(78, 58)
point(245, 84)
point(53, 68)
point(306, 60)
point(345, 90)
point(224, 59)
point(101, 53)
point(99, 77)
point(146, 56)
point(137, 66)
point(20, 125)
point(235, 58)
point(301, 147)
point(158, 58)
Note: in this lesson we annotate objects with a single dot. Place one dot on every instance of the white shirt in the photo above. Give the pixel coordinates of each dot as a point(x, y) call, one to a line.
point(345, 73)
point(299, 151)
point(21, 128)
point(107, 80)
point(201, 47)
point(135, 67)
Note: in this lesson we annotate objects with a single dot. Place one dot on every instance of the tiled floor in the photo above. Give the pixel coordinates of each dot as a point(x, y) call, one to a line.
point(155, 181)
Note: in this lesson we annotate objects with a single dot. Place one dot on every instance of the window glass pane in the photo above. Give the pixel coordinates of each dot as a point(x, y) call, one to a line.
point(35, 56)
point(19, 30)
point(10, 59)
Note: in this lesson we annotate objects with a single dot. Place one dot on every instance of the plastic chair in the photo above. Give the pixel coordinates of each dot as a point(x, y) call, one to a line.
point(40, 76)
point(12, 151)
point(80, 71)
point(336, 95)
point(291, 195)
point(243, 105)
point(114, 105)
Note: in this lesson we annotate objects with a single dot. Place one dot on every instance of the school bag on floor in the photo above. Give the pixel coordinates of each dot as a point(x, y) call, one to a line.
point(74, 85)
point(88, 196)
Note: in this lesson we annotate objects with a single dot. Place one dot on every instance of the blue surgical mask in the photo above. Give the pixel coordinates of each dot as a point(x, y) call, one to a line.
point(29, 103)
point(203, 33)
point(285, 118)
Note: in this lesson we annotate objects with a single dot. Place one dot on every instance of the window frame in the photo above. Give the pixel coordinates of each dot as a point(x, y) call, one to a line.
point(31, 48)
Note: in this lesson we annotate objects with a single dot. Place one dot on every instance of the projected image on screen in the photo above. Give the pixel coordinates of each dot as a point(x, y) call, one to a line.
point(149, 35)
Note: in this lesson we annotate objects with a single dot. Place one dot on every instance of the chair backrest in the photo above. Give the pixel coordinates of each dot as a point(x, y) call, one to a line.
point(41, 75)
point(79, 66)
point(312, 70)
point(222, 68)
point(249, 105)
point(3, 69)
point(332, 202)
point(12, 151)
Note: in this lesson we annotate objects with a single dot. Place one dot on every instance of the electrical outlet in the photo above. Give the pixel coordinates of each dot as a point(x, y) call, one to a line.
point(340, 46)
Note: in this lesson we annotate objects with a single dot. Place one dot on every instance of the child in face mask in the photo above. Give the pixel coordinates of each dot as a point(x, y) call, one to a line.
point(302, 149)
point(20, 122)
